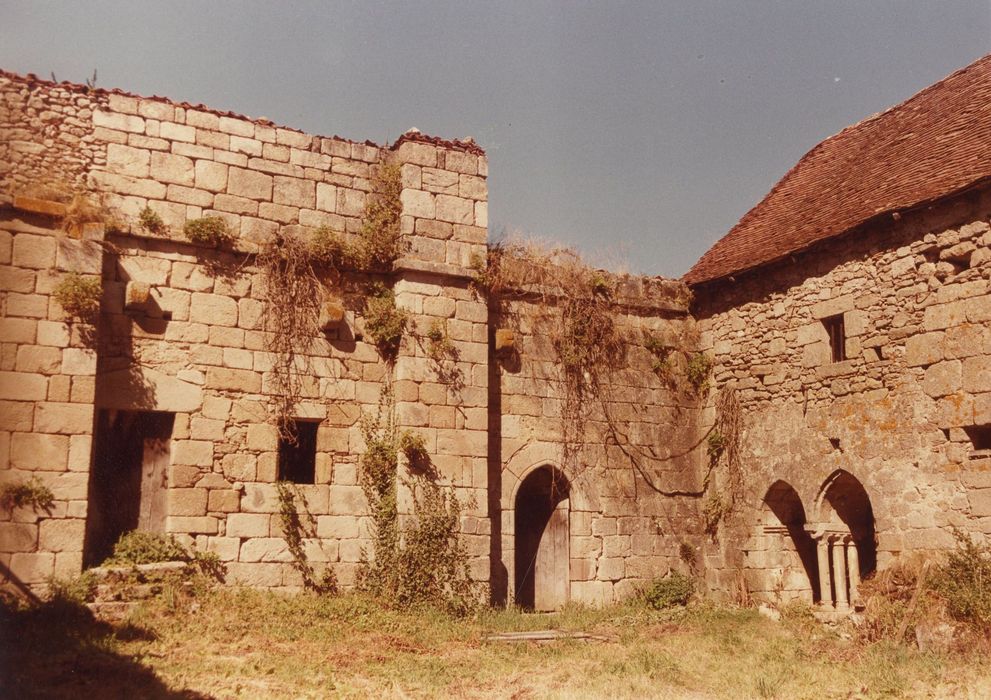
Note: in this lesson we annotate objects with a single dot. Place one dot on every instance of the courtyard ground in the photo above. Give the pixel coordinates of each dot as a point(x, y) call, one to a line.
point(231, 643)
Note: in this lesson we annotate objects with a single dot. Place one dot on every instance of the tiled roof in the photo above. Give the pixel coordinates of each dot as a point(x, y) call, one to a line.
point(934, 144)
point(31, 80)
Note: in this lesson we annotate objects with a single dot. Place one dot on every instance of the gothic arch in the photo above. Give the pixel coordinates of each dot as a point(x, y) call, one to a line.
point(785, 557)
point(846, 540)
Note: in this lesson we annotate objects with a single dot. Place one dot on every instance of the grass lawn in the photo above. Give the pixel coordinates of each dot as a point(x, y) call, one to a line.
point(231, 643)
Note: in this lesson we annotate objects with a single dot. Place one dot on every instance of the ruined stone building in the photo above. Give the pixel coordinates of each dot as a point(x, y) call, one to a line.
point(811, 400)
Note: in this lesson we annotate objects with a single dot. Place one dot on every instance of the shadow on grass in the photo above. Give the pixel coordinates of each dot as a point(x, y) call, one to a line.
point(59, 650)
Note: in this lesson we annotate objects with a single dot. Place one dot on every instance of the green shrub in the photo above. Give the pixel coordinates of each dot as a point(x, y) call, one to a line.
point(32, 493)
point(384, 322)
point(151, 221)
point(414, 447)
point(208, 231)
point(79, 296)
point(297, 527)
point(137, 547)
point(697, 372)
point(327, 247)
point(715, 445)
point(964, 582)
point(674, 589)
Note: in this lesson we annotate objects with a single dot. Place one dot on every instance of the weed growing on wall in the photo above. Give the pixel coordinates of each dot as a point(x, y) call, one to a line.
point(697, 372)
point(79, 296)
point(674, 589)
point(385, 323)
point(296, 528)
point(28, 494)
point(422, 559)
point(210, 231)
point(151, 222)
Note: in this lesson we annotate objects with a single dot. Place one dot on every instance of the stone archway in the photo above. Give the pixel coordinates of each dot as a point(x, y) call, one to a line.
point(845, 538)
point(542, 540)
point(786, 553)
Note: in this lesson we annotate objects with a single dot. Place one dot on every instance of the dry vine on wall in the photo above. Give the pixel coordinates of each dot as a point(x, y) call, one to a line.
point(580, 311)
point(300, 270)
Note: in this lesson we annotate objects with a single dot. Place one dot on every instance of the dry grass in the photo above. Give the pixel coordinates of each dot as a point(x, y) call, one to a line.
point(241, 643)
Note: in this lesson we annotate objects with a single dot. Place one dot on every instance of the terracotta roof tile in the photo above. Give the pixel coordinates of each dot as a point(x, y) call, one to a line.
point(934, 144)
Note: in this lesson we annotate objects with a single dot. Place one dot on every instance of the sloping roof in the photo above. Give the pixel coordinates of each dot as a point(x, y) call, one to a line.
point(934, 144)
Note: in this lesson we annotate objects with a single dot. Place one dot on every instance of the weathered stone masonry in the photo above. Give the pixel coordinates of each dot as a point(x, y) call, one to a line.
point(859, 366)
point(195, 351)
point(898, 414)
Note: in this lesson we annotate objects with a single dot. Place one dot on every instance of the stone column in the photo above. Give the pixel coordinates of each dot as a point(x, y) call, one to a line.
point(822, 552)
point(839, 573)
point(853, 567)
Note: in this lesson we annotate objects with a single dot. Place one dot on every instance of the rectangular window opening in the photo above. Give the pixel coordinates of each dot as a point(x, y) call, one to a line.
point(837, 337)
point(297, 460)
point(980, 437)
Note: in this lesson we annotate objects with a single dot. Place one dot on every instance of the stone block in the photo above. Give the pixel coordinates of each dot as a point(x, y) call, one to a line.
point(18, 537)
point(125, 160)
point(224, 501)
point(611, 569)
point(33, 568)
point(213, 309)
point(119, 122)
point(294, 192)
point(239, 467)
point(418, 203)
point(250, 184)
point(63, 418)
point(976, 375)
point(211, 176)
point(255, 575)
point(35, 252)
point(167, 167)
point(196, 453)
point(924, 349)
point(37, 451)
point(137, 295)
point(193, 525)
point(455, 209)
point(38, 359)
point(248, 524)
point(64, 535)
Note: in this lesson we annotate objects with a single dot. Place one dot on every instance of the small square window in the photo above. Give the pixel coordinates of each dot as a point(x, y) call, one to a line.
point(297, 460)
point(980, 437)
point(837, 337)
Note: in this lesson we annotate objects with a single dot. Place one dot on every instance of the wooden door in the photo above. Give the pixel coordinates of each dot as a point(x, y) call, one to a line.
point(551, 568)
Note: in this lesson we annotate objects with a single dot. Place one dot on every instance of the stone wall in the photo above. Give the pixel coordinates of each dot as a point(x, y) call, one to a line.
point(196, 347)
point(913, 294)
point(632, 483)
point(47, 373)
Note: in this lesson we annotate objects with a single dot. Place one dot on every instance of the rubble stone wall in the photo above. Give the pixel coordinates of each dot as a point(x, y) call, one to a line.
point(913, 293)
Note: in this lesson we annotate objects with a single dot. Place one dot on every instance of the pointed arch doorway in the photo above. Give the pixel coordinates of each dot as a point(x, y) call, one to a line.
point(542, 533)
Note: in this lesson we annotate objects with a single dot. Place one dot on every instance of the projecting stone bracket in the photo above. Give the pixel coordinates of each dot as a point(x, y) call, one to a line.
point(331, 314)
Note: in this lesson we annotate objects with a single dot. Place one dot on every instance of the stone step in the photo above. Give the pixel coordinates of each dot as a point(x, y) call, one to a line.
point(111, 611)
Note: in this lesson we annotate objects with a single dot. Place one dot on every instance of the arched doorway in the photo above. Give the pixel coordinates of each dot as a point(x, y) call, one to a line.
point(789, 555)
point(847, 547)
point(542, 540)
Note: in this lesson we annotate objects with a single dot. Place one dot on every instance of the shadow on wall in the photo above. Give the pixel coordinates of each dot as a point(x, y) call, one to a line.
point(58, 650)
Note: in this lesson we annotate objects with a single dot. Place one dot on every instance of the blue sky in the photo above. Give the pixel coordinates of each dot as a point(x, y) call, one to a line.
point(637, 132)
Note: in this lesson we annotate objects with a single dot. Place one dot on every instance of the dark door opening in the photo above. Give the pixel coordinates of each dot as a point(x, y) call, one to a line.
point(542, 547)
point(128, 482)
